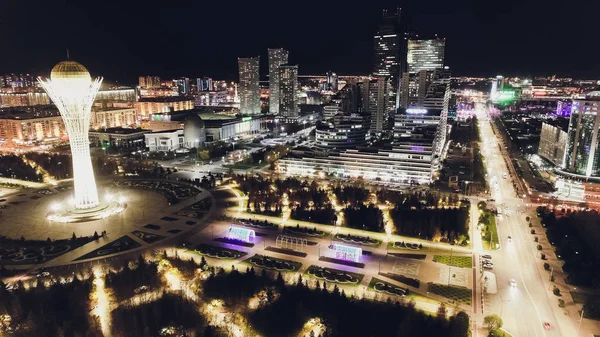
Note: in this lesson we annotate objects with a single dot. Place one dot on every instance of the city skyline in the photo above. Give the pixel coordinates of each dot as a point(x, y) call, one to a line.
point(480, 40)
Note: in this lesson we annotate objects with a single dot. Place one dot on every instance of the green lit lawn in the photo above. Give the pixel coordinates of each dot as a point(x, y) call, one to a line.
point(454, 261)
point(458, 294)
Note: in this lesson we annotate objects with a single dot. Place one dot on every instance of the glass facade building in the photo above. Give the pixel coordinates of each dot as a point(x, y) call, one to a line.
point(425, 55)
point(390, 54)
point(583, 155)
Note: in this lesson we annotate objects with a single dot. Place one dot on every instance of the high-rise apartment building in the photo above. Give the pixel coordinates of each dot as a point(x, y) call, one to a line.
point(277, 57)
point(288, 90)
point(375, 100)
point(249, 89)
point(583, 148)
point(425, 55)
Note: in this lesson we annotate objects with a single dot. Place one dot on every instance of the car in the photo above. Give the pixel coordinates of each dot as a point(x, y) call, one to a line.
point(486, 266)
point(486, 256)
point(509, 238)
point(461, 172)
point(513, 283)
point(546, 325)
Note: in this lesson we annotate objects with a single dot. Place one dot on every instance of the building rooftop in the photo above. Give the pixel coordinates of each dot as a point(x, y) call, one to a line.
point(166, 99)
point(120, 131)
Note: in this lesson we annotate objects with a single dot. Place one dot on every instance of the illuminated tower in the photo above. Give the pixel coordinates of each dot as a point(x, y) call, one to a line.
point(72, 90)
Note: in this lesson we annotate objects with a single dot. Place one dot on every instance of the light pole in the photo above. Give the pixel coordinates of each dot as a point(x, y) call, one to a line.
point(580, 319)
point(450, 267)
point(502, 306)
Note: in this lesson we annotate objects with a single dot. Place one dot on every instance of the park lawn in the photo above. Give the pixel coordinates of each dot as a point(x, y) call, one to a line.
point(458, 294)
point(454, 261)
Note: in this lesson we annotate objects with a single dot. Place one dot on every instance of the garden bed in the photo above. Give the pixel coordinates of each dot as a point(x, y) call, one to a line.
point(17, 252)
point(344, 262)
point(457, 294)
point(286, 251)
point(259, 224)
point(357, 239)
point(218, 252)
point(334, 275)
point(405, 245)
point(409, 256)
point(381, 286)
point(273, 263)
point(147, 237)
point(234, 242)
point(122, 244)
point(403, 279)
point(314, 232)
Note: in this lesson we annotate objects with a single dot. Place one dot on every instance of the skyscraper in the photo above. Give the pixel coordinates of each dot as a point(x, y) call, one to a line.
point(583, 148)
point(249, 90)
point(277, 57)
point(332, 81)
point(288, 90)
point(425, 55)
point(390, 54)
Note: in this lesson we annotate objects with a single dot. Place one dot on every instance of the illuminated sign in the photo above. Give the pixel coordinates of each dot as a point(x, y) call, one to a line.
point(241, 234)
point(245, 119)
point(348, 253)
point(506, 95)
point(416, 111)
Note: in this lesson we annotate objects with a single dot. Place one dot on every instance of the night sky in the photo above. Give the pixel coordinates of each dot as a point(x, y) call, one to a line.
point(121, 40)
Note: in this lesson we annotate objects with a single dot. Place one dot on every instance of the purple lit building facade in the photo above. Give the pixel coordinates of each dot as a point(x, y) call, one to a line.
point(564, 107)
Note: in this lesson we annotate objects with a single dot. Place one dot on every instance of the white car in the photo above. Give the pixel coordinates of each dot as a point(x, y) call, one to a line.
point(512, 283)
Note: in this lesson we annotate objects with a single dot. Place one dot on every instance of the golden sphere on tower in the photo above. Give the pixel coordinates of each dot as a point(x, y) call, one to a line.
point(69, 70)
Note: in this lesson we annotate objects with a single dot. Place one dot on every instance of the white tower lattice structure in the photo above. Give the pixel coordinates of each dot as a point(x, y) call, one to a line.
point(73, 91)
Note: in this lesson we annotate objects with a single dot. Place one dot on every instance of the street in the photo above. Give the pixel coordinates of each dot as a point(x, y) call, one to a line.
point(526, 306)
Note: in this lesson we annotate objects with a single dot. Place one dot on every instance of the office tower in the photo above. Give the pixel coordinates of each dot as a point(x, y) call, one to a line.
point(277, 57)
point(288, 90)
point(390, 54)
point(425, 55)
point(375, 102)
point(142, 81)
point(332, 81)
point(583, 155)
point(249, 90)
point(73, 91)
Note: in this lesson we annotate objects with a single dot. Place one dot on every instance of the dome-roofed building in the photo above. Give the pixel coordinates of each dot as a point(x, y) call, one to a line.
point(194, 131)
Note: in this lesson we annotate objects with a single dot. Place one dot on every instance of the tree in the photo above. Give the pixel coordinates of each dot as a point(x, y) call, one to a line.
point(300, 283)
point(442, 312)
point(492, 322)
point(459, 325)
